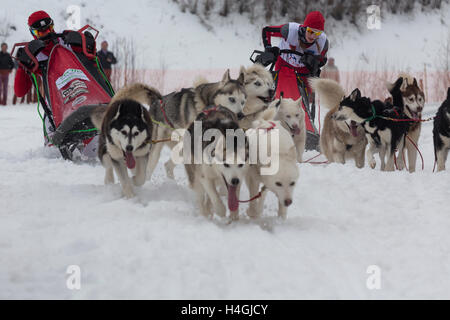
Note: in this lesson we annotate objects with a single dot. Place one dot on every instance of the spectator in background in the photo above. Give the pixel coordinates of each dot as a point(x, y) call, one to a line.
point(106, 59)
point(6, 67)
point(330, 71)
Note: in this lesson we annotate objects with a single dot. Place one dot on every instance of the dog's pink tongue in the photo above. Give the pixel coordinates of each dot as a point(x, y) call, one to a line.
point(233, 202)
point(296, 130)
point(354, 130)
point(129, 158)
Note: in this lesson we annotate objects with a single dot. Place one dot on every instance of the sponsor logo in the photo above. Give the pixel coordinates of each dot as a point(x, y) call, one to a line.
point(69, 75)
point(79, 100)
point(76, 88)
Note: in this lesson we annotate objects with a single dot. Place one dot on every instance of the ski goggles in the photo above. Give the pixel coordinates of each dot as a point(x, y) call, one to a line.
point(42, 27)
point(312, 31)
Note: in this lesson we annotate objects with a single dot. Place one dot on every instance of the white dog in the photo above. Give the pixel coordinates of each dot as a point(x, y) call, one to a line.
point(282, 182)
point(292, 117)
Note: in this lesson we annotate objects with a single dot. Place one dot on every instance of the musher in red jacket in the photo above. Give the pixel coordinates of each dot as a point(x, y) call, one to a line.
point(307, 38)
point(41, 27)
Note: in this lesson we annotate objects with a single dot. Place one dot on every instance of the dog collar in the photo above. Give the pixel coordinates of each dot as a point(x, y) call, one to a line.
point(374, 114)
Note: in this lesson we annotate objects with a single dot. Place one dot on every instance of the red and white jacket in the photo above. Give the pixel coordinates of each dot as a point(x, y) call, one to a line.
point(290, 41)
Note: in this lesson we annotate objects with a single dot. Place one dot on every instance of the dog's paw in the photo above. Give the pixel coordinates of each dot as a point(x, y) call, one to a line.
point(221, 210)
point(128, 192)
point(109, 177)
point(234, 215)
point(372, 164)
point(138, 180)
point(252, 213)
point(109, 180)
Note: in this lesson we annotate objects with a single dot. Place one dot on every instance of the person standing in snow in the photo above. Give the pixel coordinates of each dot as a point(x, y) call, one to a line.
point(330, 71)
point(6, 67)
point(107, 59)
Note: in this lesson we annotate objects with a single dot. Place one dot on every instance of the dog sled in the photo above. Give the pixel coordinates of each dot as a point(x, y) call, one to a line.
point(73, 84)
point(292, 86)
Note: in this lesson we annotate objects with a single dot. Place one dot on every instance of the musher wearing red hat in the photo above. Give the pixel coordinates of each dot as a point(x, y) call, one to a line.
point(307, 38)
point(41, 27)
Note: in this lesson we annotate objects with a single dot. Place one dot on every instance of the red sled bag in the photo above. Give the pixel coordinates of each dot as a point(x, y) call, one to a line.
point(70, 85)
point(73, 91)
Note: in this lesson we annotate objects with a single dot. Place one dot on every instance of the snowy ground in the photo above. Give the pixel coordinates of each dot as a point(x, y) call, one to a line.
point(56, 213)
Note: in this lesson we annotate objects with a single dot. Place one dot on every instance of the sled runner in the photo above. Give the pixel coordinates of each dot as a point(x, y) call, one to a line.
point(73, 83)
point(291, 84)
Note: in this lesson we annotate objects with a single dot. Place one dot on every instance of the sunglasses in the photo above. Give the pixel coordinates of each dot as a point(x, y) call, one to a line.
point(42, 27)
point(315, 32)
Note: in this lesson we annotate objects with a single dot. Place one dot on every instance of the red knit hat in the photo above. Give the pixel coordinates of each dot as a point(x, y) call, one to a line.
point(314, 20)
point(36, 16)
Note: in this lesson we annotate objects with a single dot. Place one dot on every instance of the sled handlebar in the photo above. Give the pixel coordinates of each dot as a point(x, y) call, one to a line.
point(33, 59)
point(268, 58)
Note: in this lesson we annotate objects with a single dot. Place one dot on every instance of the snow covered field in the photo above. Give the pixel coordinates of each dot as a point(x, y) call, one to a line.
point(55, 213)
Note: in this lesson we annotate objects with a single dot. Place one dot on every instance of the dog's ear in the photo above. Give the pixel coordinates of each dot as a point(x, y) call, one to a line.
point(299, 102)
point(404, 84)
point(241, 78)
point(226, 76)
point(356, 94)
point(242, 71)
point(415, 82)
point(389, 86)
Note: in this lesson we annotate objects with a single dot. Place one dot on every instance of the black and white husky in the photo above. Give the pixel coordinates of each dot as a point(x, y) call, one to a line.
point(409, 97)
point(441, 133)
point(125, 136)
point(385, 136)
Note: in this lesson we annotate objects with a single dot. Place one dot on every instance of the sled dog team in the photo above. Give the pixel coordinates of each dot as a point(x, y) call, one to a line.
point(139, 121)
point(388, 127)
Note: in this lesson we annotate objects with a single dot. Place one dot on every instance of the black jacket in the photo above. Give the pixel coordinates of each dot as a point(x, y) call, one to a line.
point(6, 62)
point(103, 59)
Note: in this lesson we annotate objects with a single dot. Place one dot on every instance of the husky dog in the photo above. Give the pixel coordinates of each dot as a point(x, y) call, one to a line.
point(259, 87)
point(339, 140)
point(206, 178)
point(179, 109)
point(281, 183)
point(292, 117)
point(441, 133)
point(408, 96)
point(384, 136)
point(125, 136)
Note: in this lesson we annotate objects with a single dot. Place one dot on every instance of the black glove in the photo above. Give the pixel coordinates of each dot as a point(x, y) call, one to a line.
point(24, 59)
point(269, 56)
point(274, 50)
point(311, 62)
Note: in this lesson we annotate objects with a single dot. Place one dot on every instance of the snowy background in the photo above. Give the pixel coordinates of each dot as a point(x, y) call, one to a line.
point(55, 213)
